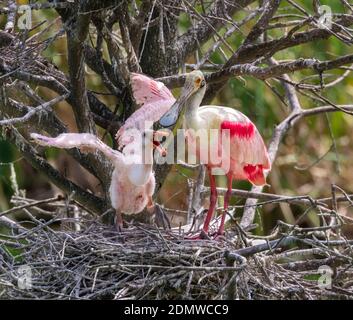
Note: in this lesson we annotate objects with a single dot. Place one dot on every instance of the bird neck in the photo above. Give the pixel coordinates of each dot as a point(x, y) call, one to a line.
point(193, 104)
point(147, 157)
point(140, 171)
point(139, 174)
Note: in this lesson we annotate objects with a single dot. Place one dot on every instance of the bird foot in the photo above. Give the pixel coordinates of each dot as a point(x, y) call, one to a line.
point(218, 236)
point(119, 223)
point(119, 228)
point(161, 218)
point(203, 235)
point(114, 231)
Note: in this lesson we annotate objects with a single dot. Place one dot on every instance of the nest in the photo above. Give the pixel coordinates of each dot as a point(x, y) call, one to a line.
point(144, 262)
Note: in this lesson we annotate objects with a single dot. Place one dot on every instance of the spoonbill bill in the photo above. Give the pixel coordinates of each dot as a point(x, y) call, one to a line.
point(132, 182)
point(247, 154)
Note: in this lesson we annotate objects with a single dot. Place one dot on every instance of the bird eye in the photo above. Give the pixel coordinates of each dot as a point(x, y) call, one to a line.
point(199, 82)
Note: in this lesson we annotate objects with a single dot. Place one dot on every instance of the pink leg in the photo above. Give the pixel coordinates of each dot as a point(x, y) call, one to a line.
point(226, 202)
point(119, 221)
point(213, 201)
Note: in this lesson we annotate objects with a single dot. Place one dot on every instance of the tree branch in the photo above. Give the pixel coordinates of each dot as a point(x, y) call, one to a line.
point(32, 111)
point(77, 32)
point(189, 41)
point(262, 73)
point(252, 52)
point(92, 202)
point(269, 9)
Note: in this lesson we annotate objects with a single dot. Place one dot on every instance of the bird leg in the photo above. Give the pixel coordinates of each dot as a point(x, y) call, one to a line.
point(160, 217)
point(213, 201)
point(119, 221)
point(226, 203)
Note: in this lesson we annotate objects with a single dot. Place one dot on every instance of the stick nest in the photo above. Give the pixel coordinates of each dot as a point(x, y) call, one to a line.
point(144, 262)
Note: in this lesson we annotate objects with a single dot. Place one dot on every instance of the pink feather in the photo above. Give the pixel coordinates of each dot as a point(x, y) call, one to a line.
point(126, 196)
point(154, 98)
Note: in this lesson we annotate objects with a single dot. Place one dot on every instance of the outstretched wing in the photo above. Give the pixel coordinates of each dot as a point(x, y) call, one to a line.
point(154, 98)
point(86, 142)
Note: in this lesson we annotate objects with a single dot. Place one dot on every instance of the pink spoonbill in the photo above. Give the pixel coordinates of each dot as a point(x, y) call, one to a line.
point(132, 182)
point(247, 154)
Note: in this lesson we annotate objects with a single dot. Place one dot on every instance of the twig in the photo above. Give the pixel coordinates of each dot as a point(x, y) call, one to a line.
point(43, 107)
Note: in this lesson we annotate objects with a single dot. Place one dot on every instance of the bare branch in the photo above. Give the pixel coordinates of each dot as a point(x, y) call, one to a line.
point(43, 107)
point(11, 16)
point(263, 73)
point(269, 9)
point(94, 203)
point(188, 42)
point(267, 49)
point(77, 32)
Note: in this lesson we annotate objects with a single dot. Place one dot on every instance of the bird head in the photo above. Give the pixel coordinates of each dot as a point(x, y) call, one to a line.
point(152, 139)
point(194, 83)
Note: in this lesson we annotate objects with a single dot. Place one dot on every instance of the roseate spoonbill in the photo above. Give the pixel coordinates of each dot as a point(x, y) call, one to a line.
point(154, 98)
point(132, 183)
point(247, 154)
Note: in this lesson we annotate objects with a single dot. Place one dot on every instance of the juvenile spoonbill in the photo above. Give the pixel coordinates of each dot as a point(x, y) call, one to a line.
point(132, 182)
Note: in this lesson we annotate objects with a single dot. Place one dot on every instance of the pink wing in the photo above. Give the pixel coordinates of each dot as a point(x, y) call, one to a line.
point(86, 142)
point(155, 100)
point(248, 153)
point(147, 90)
